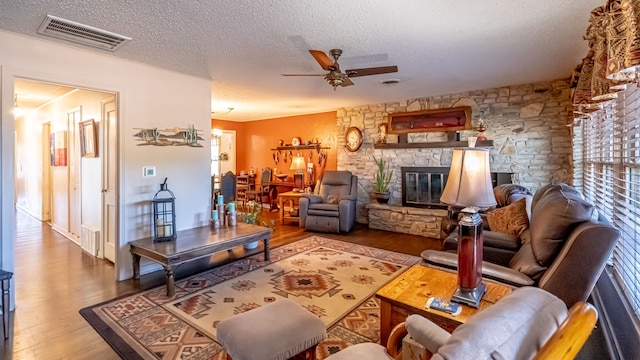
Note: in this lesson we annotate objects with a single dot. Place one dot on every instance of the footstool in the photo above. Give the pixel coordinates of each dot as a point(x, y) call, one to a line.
point(276, 331)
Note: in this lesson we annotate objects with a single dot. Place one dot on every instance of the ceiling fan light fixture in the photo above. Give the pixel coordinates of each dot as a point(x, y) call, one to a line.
point(334, 81)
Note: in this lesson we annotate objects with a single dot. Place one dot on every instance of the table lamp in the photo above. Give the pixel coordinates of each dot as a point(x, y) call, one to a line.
point(469, 186)
point(299, 166)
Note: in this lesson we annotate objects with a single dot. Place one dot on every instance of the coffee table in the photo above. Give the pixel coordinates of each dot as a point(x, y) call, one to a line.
point(408, 293)
point(194, 244)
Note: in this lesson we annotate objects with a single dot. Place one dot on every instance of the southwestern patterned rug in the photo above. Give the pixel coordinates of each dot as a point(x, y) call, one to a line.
point(332, 279)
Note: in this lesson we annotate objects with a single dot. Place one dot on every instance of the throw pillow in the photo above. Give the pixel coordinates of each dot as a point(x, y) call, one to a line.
point(333, 199)
point(511, 219)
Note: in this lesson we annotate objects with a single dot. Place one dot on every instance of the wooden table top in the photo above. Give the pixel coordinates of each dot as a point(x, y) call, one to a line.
point(292, 194)
point(200, 240)
point(415, 286)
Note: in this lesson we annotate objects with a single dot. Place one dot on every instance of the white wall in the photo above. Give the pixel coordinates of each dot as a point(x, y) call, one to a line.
point(148, 97)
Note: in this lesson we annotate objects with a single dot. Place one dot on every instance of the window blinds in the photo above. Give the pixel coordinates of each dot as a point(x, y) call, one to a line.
point(611, 178)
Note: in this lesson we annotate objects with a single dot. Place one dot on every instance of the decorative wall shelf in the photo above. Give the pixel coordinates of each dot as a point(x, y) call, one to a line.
point(427, 145)
point(301, 147)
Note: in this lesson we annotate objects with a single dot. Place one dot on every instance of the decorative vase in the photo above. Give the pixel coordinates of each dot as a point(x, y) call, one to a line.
point(382, 197)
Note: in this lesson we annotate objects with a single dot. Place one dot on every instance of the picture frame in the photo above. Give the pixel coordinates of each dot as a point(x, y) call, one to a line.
point(88, 139)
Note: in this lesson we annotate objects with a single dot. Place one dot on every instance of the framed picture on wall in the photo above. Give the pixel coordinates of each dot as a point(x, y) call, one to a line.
point(88, 139)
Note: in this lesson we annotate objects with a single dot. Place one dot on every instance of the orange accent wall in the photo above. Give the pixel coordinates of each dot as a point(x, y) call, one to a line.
point(255, 139)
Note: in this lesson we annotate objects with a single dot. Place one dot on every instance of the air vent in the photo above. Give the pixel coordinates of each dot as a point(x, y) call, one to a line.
point(80, 33)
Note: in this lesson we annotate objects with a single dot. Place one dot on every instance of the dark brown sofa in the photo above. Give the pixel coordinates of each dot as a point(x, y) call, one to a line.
point(564, 250)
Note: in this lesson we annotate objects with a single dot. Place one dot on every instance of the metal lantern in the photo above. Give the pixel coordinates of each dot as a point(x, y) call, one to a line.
point(164, 215)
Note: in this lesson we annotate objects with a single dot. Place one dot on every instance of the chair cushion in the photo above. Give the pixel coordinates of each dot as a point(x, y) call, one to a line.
point(323, 209)
point(511, 219)
point(276, 331)
point(335, 183)
point(525, 262)
point(556, 210)
point(369, 351)
point(515, 327)
point(500, 240)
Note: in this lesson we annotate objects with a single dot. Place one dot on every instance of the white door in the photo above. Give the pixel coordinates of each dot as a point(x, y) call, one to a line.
point(228, 147)
point(46, 172)
point(110, 178)
point(74, 117)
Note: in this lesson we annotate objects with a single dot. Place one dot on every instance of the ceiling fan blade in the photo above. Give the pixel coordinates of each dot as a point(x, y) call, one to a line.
point(346, 82)
point(322, 58)
point(303, 74)
point(371, 71)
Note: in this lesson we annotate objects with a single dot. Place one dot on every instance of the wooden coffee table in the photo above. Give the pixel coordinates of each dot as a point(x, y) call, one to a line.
point(409, 292)
point(194, 244)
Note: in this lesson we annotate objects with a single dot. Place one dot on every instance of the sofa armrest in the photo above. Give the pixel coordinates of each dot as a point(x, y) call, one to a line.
point(587, 248)
point(303, 205)
point(491, 271)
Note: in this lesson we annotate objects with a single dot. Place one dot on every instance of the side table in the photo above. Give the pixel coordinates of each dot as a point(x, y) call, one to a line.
point(293, 198)
point(408, 294)
point(5, 280)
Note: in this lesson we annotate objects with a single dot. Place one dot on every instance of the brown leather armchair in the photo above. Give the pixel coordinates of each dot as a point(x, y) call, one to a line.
point(564, 250)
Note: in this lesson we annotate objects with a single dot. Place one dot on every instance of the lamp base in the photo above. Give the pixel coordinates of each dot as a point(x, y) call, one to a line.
point(470, 297)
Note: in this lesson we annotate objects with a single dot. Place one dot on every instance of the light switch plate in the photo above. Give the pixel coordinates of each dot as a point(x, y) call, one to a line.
point(148, 171)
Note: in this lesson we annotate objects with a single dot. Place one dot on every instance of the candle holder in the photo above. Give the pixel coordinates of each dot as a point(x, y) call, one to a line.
point(164, 216)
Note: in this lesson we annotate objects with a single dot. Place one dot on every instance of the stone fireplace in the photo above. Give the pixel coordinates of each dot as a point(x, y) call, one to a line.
point(526, 124)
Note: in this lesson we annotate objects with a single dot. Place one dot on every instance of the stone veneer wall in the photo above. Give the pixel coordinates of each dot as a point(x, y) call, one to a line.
point(527, 124)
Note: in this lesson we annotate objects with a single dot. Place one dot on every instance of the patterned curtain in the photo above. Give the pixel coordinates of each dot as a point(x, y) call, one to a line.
point(614, 55)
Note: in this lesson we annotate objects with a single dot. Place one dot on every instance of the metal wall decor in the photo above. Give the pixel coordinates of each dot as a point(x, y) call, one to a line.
point(169, 137)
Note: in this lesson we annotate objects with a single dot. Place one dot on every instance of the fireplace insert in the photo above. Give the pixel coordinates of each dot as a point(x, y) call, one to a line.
point(422, 186)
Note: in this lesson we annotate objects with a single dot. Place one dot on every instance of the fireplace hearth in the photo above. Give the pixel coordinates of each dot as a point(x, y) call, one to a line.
point(422, 186)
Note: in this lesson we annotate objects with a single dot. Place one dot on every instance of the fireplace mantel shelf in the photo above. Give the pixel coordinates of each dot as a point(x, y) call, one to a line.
point(441, 144)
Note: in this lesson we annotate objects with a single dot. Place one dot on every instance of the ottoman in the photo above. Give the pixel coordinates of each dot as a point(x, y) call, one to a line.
point(276, 331)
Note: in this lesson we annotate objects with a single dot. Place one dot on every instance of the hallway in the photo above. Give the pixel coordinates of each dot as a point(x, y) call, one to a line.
point(54, 278)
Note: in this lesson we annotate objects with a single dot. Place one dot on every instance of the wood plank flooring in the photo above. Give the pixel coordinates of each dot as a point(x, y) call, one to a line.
point(54, 279)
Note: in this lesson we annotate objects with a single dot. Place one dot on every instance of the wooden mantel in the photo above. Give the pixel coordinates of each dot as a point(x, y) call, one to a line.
point(439, 144)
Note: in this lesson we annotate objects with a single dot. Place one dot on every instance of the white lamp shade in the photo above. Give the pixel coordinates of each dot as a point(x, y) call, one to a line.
point(297, 163)
point(469, 182)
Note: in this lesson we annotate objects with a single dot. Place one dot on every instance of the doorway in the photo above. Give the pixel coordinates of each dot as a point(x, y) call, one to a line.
point(57, 182)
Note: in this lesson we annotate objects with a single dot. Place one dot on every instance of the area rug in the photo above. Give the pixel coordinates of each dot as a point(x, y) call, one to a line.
point(332, 279)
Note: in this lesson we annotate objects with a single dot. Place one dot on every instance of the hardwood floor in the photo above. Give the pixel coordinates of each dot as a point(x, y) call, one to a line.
point(54, 279)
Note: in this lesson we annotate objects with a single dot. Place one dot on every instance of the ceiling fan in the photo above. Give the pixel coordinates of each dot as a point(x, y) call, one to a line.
point(336, 77)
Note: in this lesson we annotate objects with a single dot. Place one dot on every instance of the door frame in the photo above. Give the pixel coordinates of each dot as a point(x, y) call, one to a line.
point(8, 75)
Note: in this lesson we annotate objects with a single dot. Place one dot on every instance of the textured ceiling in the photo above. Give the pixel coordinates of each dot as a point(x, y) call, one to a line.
point(440, 47)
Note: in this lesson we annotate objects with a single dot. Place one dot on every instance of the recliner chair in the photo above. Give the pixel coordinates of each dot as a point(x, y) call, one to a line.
point(529, 323)
point(332, 206)
point(563, 251)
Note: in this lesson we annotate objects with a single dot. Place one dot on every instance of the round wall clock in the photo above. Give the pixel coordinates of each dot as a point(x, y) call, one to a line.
point(353, 139)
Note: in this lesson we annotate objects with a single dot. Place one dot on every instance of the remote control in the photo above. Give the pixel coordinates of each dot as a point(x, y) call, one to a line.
point(443, 305)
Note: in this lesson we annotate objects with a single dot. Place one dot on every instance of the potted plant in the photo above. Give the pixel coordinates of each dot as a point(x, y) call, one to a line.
point(383, 180)
point(251, 217)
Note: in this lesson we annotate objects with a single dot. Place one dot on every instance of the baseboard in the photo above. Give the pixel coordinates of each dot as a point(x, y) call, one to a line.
point(621, 328)
point(66, 234)
point(29, 212)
